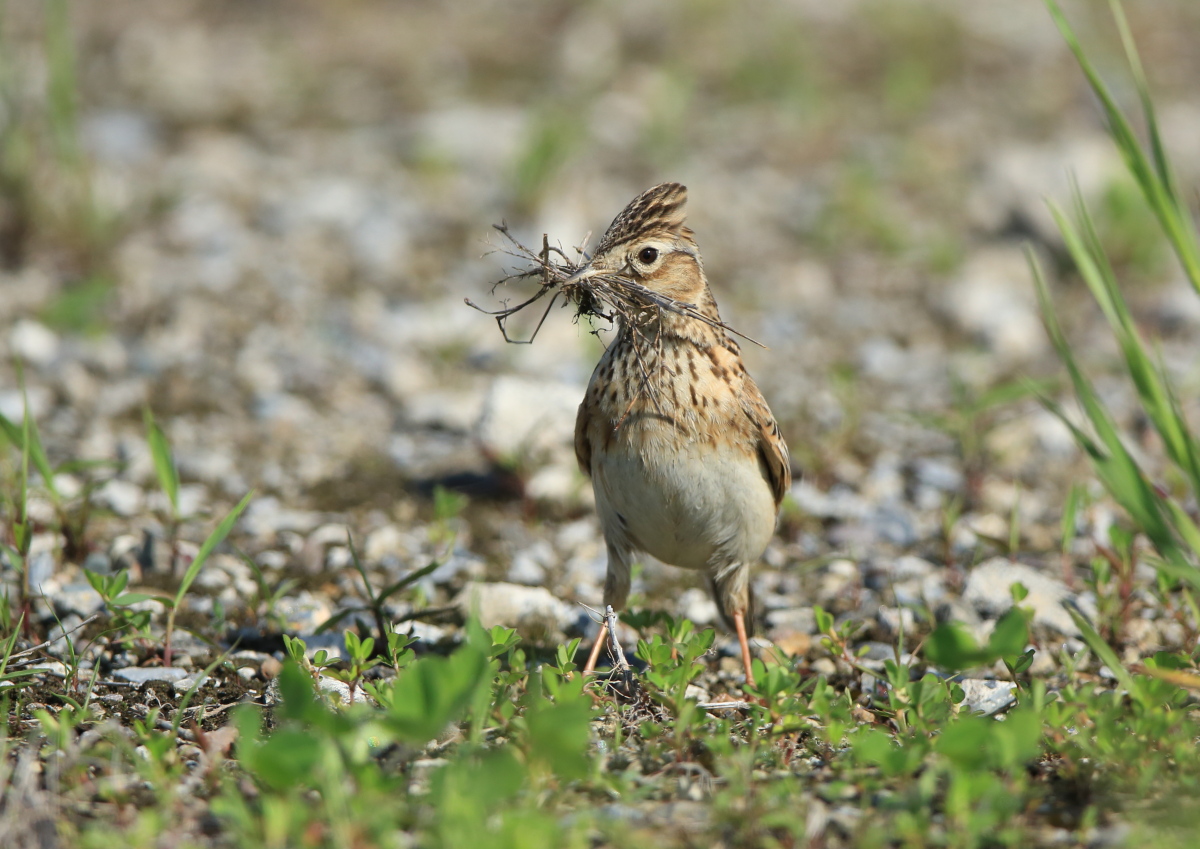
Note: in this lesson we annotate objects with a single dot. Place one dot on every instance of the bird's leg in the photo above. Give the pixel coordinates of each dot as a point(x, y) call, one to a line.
point(590, 666)
point(739, 623)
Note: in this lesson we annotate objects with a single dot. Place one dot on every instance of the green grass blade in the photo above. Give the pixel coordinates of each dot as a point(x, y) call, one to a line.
point(1114, 465)
point(164, 461)
point(1103, 650)
point(1158, 191)
point(1162, 164)
point(1183, 234)
point(1184, 525)
point(1190, 462)
point(214, 539)
point(408, 580)
point(1151, 384)
point(27, 440)
point(1069, 517)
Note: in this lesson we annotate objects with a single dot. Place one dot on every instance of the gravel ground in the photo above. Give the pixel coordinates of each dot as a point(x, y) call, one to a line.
point(295, 200)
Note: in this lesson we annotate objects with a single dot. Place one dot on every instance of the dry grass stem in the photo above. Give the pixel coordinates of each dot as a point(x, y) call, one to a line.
point(605, 296)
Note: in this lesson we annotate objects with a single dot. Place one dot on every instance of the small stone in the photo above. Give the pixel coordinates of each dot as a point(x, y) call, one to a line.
point(698, 606)
point(558, 483)
point(52, 667)
point(303, 613)
point(461, 562)
point(340, 692)
point(987, 697)
point(338, 557)
point(78, 598)
point(801, 619)
point(696, 693)
point(329, 534)
point(273, 559)
point(908, 566)
point(534, 611)
point(40, 569)
point(122, 497)
point(895, 620)
point(824, 666)
point(33, 342)
point(119, 136)
point(529, 565)
point(147, 674)
point(528, 418)
point(792, 643)
point(893, 524)
point(839, 503)
point(185, 684)
point(989, 591)
point(992, 300)
point(939, 474)
point(840, 575)
point(185, 642)
point(267, 516)
point(383, 542)
point(423, 631)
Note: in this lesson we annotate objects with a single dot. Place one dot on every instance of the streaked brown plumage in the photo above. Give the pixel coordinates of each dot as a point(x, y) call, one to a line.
point(686, 460)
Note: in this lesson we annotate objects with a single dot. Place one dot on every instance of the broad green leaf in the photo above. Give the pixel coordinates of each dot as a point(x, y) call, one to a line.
point(558, 735)
point(432, 692)
point(1010, 635)
point(951, 646)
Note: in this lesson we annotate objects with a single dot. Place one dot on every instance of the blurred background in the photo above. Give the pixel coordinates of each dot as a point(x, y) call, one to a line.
point(261, 219)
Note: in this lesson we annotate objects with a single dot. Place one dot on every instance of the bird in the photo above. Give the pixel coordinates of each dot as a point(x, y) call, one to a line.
point(686, 460)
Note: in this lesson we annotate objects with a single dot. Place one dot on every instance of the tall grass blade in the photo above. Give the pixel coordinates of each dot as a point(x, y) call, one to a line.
point(1149, 378)
point(164, 461)
point(1103, 651)
point(1155, 180)
point(1115, 466)
point(27, 440)
point(214, 539)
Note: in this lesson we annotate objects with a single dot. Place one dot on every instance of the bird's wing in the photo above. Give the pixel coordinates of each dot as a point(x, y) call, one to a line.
point(583, 445)
point(771, 447)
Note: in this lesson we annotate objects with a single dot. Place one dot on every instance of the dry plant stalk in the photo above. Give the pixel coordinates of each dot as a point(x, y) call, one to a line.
point(611, 297)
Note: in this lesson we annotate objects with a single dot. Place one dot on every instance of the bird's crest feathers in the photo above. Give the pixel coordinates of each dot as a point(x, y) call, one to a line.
point(657, 210)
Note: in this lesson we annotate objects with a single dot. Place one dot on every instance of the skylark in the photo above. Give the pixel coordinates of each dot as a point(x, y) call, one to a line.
point(685, 457)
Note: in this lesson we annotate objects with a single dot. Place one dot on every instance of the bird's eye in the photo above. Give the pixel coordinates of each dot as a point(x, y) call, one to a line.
point(648, 255)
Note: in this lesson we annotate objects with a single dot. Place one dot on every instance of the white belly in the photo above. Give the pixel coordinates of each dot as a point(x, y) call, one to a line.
point(696, 506)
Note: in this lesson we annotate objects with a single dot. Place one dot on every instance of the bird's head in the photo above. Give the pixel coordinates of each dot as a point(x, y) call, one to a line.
point(650, 244)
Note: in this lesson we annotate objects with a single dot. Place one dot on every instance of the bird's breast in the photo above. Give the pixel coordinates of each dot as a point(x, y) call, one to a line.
point(674, 464)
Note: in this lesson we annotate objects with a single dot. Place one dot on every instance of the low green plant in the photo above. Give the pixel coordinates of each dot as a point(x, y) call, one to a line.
point(951, 645)
point(126, 624)
point(360, 657)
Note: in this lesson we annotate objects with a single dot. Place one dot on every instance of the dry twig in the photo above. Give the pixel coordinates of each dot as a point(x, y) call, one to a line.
point(606, 296)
